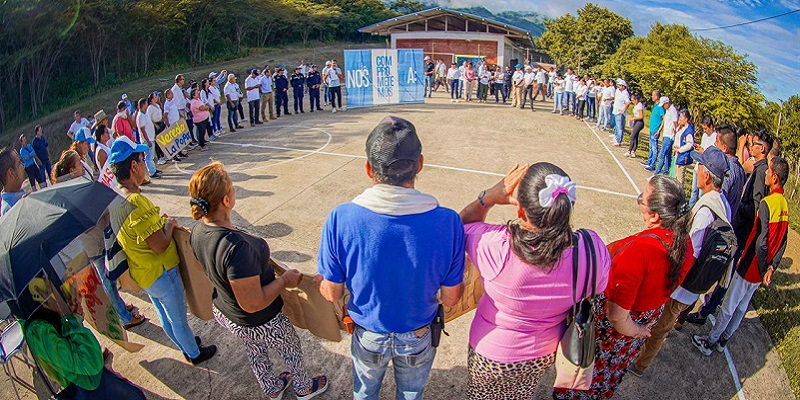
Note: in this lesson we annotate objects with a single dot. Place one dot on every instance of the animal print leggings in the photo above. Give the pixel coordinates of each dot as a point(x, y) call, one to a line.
point(490, 380)
point(279, 335)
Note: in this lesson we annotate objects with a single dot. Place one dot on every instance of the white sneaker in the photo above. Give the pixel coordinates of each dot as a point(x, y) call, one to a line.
point(344, 108)
point(334, 110)
point(457, 100)
point(452, 100)
point(161, 161)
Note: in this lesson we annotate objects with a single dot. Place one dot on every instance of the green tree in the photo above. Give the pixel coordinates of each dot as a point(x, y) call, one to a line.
point(407, 6)
point(586, 41)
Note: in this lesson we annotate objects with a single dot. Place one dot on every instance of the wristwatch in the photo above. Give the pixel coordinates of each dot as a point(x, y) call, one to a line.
point(480, 199)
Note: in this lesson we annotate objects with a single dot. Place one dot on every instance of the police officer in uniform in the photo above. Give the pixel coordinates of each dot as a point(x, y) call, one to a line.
point(314, 81)
point(282, 92)
point(298, 81)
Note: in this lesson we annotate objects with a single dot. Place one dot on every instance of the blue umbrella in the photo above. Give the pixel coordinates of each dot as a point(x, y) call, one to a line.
point(43, 223)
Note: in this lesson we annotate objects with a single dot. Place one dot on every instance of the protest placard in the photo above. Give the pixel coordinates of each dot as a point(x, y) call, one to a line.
point(85, 287)
point(174, 139)
point(195, 282)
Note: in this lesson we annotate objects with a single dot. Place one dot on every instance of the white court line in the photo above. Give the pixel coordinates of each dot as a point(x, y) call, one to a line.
point(625, 171)
point(731, 365)
point(475, 171)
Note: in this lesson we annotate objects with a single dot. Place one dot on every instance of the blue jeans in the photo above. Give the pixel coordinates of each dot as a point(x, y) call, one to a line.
point(607, 115)
point(125, 316)
point(428, 85)
point(233, 119)
point(460, 88)
point(590, 100)
point(412, 357)
point(167, 297)
point(733, 308)
point(111, 387)
point(652, 157)
point(550, 90)
point(570, 101)
point(215, 123)
point(149, 159)
point(695, 190)
point(664, 157)
point(454, 89)
point(558, 104)
point(619, 129)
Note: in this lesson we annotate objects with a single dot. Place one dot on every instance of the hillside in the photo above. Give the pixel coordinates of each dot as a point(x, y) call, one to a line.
point(528, 20)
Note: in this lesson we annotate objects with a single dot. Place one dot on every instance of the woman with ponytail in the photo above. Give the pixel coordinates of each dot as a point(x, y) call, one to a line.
point(247, 299)
point(526, 267)
point(645, 269)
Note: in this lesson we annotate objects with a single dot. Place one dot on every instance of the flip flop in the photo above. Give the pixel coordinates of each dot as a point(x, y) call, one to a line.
point(136, 321)
point(317, 388)
point(286, 378)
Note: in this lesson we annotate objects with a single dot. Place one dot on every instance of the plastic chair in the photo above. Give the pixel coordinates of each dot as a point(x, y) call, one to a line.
point(11, 346)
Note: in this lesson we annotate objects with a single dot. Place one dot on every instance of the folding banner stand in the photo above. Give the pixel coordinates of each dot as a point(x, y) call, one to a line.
point(384, 76)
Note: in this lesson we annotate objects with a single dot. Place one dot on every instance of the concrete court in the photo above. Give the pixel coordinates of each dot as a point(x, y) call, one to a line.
point(289, 173)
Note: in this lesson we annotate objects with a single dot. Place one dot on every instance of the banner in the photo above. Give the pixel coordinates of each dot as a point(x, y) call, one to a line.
point(198, 288)
point(384, 76)
point(174, 139)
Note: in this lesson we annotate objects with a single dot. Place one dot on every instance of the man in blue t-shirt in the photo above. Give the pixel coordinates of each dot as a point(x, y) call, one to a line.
point(395, 249)
point(656, 120)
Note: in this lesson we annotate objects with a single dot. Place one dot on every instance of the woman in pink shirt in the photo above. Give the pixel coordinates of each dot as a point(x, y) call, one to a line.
point(200, 117)
point(526, 269)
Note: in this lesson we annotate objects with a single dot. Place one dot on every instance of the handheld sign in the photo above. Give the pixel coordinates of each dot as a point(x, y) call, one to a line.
point(174, 139)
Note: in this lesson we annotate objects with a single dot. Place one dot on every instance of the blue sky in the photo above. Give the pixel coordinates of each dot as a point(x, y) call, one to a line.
point(773, 45)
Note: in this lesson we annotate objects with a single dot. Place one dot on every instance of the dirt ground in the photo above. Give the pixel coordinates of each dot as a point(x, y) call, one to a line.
point(291, 172)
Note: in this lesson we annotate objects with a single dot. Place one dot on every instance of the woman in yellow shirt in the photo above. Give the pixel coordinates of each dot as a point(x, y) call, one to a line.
point(146, 237)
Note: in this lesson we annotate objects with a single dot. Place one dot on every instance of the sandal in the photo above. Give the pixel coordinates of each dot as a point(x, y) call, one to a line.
point(319, 385)
point(286, 378)
point(135, 321)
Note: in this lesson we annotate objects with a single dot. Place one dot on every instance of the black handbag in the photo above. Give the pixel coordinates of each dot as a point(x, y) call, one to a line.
point(575, 355)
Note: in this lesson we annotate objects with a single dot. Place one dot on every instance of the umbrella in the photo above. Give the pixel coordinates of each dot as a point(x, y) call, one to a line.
point(42, 224)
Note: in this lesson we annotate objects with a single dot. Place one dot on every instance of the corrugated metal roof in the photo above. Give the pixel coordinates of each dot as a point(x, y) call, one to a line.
point(385, 27)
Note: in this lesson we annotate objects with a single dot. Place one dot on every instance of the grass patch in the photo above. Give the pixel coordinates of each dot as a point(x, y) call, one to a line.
point(778, 305)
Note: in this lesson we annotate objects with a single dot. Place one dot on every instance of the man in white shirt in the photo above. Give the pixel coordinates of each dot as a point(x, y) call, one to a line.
point(232, 98)
point(528, 80)
point(215, 101)
point(171, 113)
point(607, 105)
point(334, 79)
point(267, 96)
point(252, 84)
point(541, 84)
point(147, 133)
point(326, 93)
point(569, 90)
point(622, 100)
point(551, 77)
point(77, 124)
point(177, 95)
point(453, 79)
point(668, 129)
point(707, 140)
point(517, 82)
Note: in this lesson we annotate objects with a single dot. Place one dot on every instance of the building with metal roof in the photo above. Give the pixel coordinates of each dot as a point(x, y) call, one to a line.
point(456, 36)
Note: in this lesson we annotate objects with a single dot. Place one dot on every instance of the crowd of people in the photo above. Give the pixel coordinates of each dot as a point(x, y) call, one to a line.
point(727, 234)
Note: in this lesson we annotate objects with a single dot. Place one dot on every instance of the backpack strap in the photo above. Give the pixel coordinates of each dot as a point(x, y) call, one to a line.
point(574, 272)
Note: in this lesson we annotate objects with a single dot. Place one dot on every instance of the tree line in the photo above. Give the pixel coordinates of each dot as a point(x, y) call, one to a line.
point(706, 76)
point(54, 52)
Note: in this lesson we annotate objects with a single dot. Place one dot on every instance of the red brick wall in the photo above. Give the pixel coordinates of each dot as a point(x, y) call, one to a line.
point(451, 46)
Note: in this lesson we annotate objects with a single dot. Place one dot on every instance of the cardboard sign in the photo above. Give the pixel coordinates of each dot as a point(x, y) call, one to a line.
point(307, 309)
point(195, 282)
point(174, 139)
point(85, 287)
point(473, 291)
